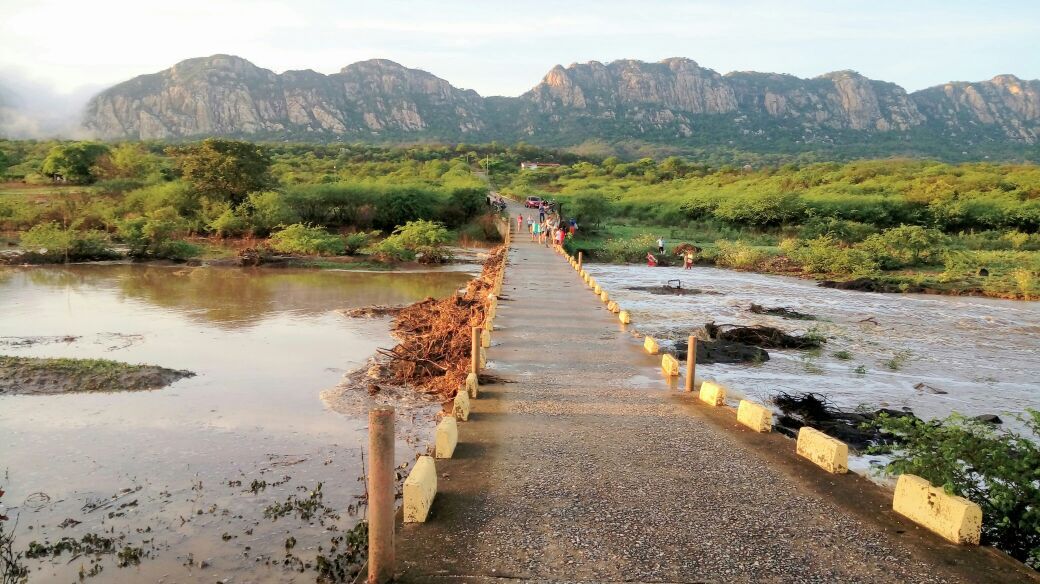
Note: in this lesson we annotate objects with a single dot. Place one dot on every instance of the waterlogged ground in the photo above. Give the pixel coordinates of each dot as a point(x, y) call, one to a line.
point(983, 353)
point(187, 474)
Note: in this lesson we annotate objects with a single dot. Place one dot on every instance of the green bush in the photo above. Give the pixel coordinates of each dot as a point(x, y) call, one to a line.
point(590, 210)
point(355, 242)
point(630, 250)
point(826, 255)
point(307, 240)
point(57, 243)
point(999, 470)
point(267, 210)
point(230, 223)
point(907, 245)
point(425, 241)
point(737, 254)
point(847, 231)
point(151, 236)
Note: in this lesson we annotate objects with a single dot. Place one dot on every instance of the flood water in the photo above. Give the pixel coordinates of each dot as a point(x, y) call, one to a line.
point(263, 342)
point(983, 353)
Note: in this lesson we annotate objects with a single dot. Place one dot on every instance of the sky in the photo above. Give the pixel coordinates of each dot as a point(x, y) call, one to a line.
point(77, 47)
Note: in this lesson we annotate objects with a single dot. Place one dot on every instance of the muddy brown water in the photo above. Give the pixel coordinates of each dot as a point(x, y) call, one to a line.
point(264, 344)
point(983, 354)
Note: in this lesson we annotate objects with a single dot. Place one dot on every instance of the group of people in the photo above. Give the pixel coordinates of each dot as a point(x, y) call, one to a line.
point(548, 228)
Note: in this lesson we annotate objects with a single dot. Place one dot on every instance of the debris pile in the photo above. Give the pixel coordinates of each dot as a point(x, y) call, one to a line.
point(816, 411)
point(761, 336)
point(781, 312)
point(433, 354)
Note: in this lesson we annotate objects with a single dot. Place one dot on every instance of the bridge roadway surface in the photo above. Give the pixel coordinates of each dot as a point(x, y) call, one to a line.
point(569, 471)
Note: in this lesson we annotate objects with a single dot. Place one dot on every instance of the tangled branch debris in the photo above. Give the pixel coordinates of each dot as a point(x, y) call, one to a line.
point(433, 354)
point(816, 411)
point(781, 312)
point(761, 336)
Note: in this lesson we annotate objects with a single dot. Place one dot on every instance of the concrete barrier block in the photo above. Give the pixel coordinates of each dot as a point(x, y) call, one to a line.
point(485, 338)
point(460, 407)
point(447, 437)
point(483, 358)
point(755, 416)
point(650, 346)
point(472, 385)
point(613, 307)
point(954, 518)
point(712, 393)
point(604, 297)
point(828, 453)
point(419, 490)
point(596, 289)
point(670, 366)
point(624, 317)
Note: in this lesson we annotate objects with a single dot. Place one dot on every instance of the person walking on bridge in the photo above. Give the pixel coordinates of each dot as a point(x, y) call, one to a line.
point(519, 222)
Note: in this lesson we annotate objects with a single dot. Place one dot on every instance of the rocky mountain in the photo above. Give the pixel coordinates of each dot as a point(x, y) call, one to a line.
point(226, 95)
point(672, 101)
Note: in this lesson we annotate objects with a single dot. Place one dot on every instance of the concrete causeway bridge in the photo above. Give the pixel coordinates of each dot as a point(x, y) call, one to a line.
point(568, 471)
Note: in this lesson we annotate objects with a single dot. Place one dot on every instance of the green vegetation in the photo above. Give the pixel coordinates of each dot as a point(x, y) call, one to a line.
point(304, 240)
point(417, 240)
point(997, 469)
point(907, 225)
point(152, 200)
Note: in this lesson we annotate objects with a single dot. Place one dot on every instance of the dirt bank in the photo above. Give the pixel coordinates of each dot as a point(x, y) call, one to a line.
point(36, 376)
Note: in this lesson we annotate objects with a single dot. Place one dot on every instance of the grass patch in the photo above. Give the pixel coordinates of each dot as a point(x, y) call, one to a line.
point(34, 375)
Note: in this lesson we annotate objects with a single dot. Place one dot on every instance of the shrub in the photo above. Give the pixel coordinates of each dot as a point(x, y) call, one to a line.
point(999, 470)
point(737, 254)
point(267, 210)
point(229, 223)
point(621, 250)
point(825, 255)
point(907, 245)
point(307, 240)
point(589, 209)
point(151, 236)
point(421, 240)
point(847, 231)
point(54, 242)
point(355, 242)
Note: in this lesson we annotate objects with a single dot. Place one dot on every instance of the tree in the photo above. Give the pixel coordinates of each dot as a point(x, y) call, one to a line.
point(73, 161)
point(590, 210)
point(224, 169)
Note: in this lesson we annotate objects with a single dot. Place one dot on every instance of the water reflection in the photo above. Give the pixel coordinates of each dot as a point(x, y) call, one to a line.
point(264, 343)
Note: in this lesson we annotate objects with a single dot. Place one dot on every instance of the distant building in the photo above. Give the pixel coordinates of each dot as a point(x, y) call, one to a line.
point(537, 165)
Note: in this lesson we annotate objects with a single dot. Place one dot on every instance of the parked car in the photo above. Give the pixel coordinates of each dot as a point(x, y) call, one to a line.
point(533, 202)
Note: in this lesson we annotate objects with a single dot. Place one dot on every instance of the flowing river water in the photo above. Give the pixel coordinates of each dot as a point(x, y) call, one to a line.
point(171, 470)
point(972, 355)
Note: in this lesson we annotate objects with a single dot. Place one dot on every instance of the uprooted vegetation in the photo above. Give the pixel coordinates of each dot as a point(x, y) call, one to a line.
point(816, 411)
point(33, 375)
point(433, 354)
point(763, 336)
point(780, 311)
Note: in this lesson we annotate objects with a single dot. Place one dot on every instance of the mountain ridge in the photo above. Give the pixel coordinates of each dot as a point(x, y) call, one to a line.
point(673, 100)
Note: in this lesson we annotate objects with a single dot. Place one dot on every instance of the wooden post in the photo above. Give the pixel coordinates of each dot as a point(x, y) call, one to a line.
point(381, 495)
point(691, 362)
point(580, 254)
point(474, 363)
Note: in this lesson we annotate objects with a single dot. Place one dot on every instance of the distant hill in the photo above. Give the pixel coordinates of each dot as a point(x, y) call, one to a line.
point(675, 102)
